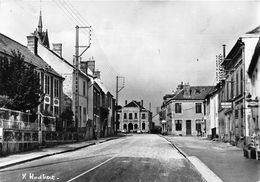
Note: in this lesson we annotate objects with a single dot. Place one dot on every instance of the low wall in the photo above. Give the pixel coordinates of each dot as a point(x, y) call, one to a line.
point(51, 138)
point(16, 147)
point(15, 141)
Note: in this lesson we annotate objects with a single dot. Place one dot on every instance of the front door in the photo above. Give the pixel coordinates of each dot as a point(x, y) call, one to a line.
point(188, 127)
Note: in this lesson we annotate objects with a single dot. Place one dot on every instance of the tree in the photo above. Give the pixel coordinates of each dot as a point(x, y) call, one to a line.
point(21, 83)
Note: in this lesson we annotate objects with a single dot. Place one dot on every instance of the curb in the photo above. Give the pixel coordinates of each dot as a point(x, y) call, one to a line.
point(61, 152)
point(192, 163)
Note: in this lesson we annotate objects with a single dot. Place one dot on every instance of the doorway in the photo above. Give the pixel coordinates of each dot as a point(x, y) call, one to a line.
point(188, 127)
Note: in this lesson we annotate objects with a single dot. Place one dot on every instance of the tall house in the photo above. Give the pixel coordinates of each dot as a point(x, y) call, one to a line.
point(235, 123)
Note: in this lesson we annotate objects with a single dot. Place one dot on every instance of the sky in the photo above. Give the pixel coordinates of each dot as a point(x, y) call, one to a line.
point(155, 45)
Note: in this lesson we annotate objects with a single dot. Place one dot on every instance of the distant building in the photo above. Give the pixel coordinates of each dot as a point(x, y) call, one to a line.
point(134, 117)
point(156, 124)
point(185, 110)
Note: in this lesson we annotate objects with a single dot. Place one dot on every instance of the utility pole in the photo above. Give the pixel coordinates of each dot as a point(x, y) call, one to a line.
point(76, 67)
point(117, 91)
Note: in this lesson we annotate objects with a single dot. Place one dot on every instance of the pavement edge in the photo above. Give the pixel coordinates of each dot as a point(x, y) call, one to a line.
point(48, 155)
point(217, 179)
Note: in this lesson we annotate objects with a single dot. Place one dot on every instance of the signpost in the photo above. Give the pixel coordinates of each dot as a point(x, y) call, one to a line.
point(226, 105)
point(253, 103)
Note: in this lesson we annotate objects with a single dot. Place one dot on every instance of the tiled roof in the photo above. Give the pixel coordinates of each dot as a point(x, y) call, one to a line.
point(7, 45)
point(194, 93)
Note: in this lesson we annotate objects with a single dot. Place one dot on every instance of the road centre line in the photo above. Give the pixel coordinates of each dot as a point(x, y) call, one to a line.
point(92, 168)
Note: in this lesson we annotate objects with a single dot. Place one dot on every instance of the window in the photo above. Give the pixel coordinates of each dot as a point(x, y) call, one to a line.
point(125, 126)
point(80, 113)
point(125, 117)
point(135, 115)
point(232, 87)
point(178, 125)
point(198, 107)
point(241, 111)
point(130, 116)
point(177, 107)
point(241, 81)
point(47, 84)
point(95, 99)
point(237, 84)
point(143, 116)
point(56, 88)
point(84, 115)
point(84, 88)
point(118, 116)
point(56, 110)
point(198, 125)
point(143, 126)
point(236, 113)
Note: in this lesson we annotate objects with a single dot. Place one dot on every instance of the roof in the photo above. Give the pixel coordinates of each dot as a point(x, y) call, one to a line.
point(254, 31)
point(102, 87)
point(194, 93)
point(7, 45)
point(134, 103)
point(90, 76)
point(229, 59)
point(254, 60)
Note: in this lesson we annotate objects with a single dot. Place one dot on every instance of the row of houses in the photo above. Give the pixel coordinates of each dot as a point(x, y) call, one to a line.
point(229, 110)
point(57, 77)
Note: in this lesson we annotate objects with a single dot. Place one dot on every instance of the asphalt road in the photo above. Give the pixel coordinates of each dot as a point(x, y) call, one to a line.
point(140, 157)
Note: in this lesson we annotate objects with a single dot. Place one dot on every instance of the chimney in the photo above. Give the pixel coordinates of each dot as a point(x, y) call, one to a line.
point(157, 110)
point(224, 51)
point(57, 48)
point(32, 44)
point(142, 103)
point(91, 65)
point(83, 66)
point(179, 87)
point(97, 74)
point(125, 102)
point(187, 91)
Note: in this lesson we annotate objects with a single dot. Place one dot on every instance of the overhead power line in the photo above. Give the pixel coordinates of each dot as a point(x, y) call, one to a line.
point(77, 19)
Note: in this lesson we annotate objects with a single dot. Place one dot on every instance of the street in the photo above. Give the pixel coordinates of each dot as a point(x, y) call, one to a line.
point(139, 157)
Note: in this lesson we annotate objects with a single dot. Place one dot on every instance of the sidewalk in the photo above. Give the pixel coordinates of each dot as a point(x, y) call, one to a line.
point(23, 157)
point(225, 160)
